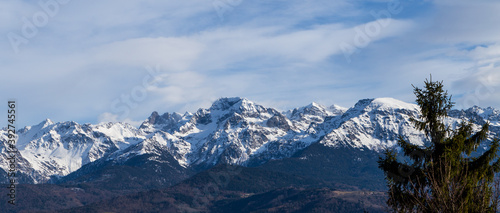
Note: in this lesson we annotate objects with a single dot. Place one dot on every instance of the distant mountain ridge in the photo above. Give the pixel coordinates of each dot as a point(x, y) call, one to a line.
point(232, 131)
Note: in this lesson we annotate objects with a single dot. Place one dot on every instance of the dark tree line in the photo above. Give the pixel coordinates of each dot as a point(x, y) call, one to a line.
point(442, 176)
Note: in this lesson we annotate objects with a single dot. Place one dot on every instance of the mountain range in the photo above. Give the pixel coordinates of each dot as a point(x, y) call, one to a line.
point(232, 131)
point(235, 154)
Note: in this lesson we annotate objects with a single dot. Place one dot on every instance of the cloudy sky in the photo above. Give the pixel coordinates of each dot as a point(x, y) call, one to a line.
point(118, 60)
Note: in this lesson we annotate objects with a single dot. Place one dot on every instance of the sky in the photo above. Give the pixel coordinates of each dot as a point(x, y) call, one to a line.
point(119, 60)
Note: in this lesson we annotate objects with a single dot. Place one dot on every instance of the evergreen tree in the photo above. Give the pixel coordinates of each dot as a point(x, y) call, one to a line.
point(441, 176)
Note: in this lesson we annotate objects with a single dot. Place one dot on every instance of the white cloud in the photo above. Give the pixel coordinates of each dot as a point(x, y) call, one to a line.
point(284, 53)
point(174, 54)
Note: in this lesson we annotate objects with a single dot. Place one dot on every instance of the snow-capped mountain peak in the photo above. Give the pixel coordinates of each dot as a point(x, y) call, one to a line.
point(45, 123)
point(167, 122)
point(229, 103)
point(391, 103)
point(238, 105)
point(486, 113)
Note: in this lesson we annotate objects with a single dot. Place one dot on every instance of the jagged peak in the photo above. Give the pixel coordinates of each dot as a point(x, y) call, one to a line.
point(45, 123)
point(177, 116)
point(152, 118)
point(154, 114)
point(48, 121)
point(486, 113)
point(312, 108)
point(363, 103)
point(479, 109)
point(225, 103)
point(235, 103)
point(166, 119)
point(314, 104)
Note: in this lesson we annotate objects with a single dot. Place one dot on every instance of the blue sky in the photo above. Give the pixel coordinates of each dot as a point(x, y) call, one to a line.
point(119, 60)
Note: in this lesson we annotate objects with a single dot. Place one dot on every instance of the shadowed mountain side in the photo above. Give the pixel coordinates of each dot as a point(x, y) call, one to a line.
point(138, 173)
point(222, 183)
point(336, 165)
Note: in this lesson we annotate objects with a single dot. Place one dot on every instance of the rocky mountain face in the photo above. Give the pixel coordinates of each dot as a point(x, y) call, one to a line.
point(232, 131)
point(56, 149)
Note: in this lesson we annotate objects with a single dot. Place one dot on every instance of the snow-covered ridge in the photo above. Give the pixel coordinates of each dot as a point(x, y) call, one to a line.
point(57, 149)
point(232, 130)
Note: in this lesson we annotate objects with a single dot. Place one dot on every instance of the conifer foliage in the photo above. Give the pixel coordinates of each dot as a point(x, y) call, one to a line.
point(447, 174)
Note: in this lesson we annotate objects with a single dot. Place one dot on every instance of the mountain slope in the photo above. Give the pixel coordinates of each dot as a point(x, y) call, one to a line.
point(56, 149)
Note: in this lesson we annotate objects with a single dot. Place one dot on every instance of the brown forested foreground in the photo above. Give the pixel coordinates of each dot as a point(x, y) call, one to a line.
point(245, 190)
point(442, 176)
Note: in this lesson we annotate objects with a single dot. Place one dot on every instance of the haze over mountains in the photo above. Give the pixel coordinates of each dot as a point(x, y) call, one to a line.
point(232, 131)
